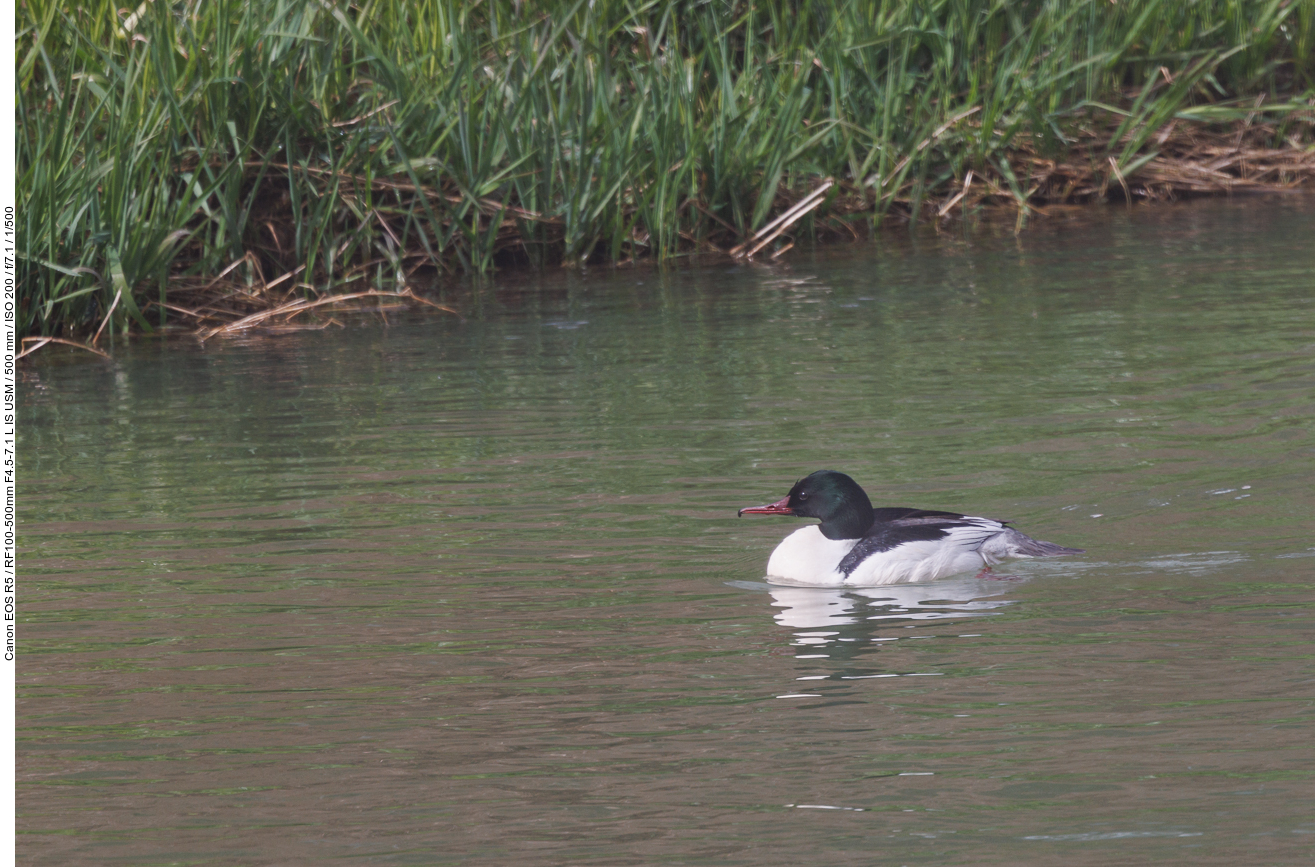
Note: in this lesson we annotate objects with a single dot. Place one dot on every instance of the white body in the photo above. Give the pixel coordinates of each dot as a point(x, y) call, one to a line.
point(808, 558)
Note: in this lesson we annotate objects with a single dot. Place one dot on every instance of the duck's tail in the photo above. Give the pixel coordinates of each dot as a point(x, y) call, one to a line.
point(1019, 545)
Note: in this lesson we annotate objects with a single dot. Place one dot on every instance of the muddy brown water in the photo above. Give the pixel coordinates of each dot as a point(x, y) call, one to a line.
point(441, 592)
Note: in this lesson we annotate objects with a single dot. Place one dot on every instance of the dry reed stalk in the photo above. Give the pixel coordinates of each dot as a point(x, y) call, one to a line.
point(38, 342)
point(293, 308)
point(195, 314)
point(108, 313)
point(967, 182)
point(774, 229)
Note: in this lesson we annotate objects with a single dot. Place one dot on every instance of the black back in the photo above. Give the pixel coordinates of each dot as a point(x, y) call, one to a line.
point(893, 527)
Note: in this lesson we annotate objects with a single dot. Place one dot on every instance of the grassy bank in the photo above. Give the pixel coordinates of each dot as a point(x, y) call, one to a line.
point(195, 162)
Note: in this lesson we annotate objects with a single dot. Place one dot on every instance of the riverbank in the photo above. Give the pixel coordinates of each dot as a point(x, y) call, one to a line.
point(195, 166)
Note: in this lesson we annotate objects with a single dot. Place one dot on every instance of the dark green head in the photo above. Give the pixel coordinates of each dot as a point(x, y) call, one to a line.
point(833, 498)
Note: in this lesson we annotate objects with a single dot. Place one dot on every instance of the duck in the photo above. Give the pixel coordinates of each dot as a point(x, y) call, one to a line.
point(856, 545)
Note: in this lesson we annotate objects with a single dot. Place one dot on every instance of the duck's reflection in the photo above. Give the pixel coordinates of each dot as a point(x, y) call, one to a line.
point(844, 624)
point(817, 607)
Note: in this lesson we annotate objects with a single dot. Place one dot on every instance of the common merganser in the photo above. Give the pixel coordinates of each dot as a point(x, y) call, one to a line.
point(857, 545)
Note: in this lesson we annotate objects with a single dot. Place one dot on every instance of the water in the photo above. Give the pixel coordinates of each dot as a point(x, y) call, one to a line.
point(443, 592)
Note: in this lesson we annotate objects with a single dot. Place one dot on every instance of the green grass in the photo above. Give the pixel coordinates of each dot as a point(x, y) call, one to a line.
point(378, 143)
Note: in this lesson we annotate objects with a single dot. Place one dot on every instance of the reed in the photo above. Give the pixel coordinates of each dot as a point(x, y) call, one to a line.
point(197, 162)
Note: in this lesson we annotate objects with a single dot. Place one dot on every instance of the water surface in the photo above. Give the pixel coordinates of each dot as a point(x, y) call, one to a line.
point(435, 592)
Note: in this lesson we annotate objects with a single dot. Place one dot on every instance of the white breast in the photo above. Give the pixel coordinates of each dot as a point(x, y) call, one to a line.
point(808, 557)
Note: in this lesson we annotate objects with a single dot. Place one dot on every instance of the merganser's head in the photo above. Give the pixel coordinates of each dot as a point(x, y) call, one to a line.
point(834, 498)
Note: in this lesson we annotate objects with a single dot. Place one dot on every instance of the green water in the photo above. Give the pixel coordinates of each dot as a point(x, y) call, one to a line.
point(473, 592)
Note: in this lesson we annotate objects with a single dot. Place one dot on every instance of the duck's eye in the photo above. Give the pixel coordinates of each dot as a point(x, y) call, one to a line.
point(803, 497)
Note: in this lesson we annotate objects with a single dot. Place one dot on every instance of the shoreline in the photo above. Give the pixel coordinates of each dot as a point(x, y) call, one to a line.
point(221, 168)
point(286, 317)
